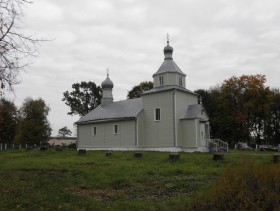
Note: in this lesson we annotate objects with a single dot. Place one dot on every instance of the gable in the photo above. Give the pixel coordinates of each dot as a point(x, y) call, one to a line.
point(195, 111)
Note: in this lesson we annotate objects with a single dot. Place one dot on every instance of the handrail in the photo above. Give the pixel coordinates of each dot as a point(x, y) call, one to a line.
point(218, 143)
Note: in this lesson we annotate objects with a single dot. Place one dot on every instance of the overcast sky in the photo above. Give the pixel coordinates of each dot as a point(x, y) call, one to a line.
point(212, 41)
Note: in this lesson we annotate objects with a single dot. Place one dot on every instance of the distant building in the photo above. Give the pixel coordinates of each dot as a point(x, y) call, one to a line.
point(168, 117)
point(62, 141)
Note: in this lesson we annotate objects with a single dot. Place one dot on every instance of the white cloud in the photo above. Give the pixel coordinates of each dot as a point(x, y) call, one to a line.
point(212, 41)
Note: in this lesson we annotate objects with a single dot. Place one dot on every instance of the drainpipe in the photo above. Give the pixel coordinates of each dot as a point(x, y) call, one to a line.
point(175, 119)
point(137, 133)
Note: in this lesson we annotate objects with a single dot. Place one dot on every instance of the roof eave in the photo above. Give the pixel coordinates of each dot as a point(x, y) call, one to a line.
point(160, 73)
point(105, 120)
point(171, 88)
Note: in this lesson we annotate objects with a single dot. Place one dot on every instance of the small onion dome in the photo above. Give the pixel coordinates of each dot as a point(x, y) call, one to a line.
point(107, 83)
point(168, 48)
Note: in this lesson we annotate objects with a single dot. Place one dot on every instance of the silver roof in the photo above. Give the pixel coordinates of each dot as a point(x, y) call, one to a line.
point(169, 66)
point(107, 83)
point(115, 110)
point(168, 88)
point(193, 111)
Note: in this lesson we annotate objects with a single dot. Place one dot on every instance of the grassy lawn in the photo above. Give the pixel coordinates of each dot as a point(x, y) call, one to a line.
point(51, 180)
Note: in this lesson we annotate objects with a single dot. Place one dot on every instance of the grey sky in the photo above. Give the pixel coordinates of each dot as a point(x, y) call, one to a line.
point(212, 41)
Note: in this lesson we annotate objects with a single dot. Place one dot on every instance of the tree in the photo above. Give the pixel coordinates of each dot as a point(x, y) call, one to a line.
point(9, 117)
point(84, 97)
point(64, 131)
point(33, 126)
point(16, 48)
point(272, 127)
point(210, 100)
point(245, 103)
point(136, 91)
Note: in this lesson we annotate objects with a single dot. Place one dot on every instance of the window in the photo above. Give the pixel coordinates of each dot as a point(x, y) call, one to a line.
point(180, 81)
point(93, 131)
point(157, 114)
point(116, 129)
point(161, 82)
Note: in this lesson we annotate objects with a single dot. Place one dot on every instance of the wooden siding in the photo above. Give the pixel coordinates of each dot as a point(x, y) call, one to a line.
point(158, 133)
point(140, 129)
point(189, 133)
point(182, 102)
point(170, 79)
point(105, 137)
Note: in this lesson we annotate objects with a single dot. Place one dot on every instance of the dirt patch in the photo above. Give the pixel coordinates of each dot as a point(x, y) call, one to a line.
point(111, 194)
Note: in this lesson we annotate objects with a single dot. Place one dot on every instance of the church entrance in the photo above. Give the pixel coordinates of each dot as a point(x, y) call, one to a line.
point(204, 133)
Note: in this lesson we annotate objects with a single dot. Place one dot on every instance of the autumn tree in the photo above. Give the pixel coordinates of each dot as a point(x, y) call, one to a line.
point(9, 117)
point(136, 91)
point(84, 97)
point(34, 126)
point(245, 102)
point(16, 47)
point(64, 131)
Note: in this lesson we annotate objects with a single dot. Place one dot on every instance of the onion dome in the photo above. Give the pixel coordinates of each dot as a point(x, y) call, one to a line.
point(168, 50)
point(107, 84)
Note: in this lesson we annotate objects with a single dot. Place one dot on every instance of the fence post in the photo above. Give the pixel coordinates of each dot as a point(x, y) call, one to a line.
point(5, 146)
point(19, 146)
point(0, 146)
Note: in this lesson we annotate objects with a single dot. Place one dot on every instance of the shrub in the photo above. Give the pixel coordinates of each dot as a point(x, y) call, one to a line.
point(72, 146)
point(246, 187)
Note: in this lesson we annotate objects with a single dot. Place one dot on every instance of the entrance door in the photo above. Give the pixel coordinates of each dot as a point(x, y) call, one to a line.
point(202, 135)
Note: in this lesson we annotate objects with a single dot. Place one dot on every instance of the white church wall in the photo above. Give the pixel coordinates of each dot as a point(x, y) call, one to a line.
point(140, 129)
point(105, 135)
point(158, 133)
point(189, 133)
point(182, 101)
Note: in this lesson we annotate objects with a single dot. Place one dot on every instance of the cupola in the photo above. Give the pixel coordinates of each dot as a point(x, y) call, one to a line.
point(107, 83)
point(169, 74)
point(107, 93)
point(168, 50)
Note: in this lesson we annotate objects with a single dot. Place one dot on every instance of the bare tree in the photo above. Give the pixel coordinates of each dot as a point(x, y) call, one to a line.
point(16, 48)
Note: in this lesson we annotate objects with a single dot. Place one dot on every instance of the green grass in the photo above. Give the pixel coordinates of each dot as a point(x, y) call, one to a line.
point(51, 180)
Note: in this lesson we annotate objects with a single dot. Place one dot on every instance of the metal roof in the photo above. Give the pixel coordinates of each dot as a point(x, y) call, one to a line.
point(168, 88)
point(115, 110)
point(193, 111)
point(169, 66)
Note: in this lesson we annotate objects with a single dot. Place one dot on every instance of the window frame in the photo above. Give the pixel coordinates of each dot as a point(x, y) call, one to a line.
point(157, 114)
point(93, 130)
point(116, 129)
point(161, 80)
point(180, 81)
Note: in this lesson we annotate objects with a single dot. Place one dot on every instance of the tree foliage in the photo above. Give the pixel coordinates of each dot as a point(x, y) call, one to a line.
point(34, 126)
point(64, 131)
point(246, 101)
point(242, 109)
point(272, 126)
point(84, 97)
point(136, 91)
point(9, 117)
point(16, 47)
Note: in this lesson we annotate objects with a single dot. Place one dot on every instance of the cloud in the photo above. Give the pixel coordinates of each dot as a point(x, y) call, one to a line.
point(212, 41)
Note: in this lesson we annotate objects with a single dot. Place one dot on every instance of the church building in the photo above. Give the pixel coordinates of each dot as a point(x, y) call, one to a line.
point(168, 117)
